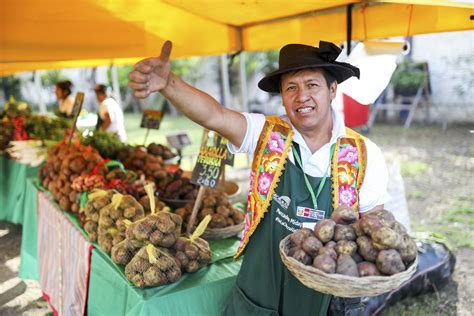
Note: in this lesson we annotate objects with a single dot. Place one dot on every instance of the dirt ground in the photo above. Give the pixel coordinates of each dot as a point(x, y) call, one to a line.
point(437, 168)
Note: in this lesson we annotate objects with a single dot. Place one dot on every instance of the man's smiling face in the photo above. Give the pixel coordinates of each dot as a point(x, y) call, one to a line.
point(307, 98)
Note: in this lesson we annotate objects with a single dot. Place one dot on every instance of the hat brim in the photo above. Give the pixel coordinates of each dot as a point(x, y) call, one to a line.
point(271, 82)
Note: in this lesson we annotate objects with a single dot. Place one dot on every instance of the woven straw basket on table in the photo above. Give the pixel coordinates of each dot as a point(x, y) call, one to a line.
point(222, 233)
point(342, 285)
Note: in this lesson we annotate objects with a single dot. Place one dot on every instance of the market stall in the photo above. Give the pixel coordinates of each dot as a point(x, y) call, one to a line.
point(205, 292)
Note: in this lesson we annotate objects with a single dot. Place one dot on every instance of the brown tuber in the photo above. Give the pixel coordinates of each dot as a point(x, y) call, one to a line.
point(366, 250)
point(311, 245)
point(302, 257)
point(344, 232)
point(347, 266)
point(324, 229)
point(330, 251)
point(367, 269)
point(325, 263)
point(389, 262)
point(370, 223)
point(386, 238)
point(344, 214)
point(408, 249)
point(346, 247)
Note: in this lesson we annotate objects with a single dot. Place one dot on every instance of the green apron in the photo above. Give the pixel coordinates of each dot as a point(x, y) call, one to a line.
point(264, 285)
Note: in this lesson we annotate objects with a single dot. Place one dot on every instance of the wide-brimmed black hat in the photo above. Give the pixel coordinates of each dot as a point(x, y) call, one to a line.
point(298, 56)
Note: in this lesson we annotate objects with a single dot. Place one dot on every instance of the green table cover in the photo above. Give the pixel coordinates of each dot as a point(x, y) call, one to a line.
point(204, 292)
point(13, 176)
point(29, 238)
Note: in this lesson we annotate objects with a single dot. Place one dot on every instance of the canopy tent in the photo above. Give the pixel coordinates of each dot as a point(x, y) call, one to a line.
point(51, 34)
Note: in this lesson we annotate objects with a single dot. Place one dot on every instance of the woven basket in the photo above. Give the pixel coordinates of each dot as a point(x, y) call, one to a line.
point(174, 204)
point(342, 285)
point(223, 233)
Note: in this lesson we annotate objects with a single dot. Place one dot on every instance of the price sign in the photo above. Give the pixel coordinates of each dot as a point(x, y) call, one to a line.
point(179, 141)
point(229, 159)
point(76, 109)
point(209, 166)
point(151, 119)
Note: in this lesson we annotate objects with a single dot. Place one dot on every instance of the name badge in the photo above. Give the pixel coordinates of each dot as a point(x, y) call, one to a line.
point(310, 213)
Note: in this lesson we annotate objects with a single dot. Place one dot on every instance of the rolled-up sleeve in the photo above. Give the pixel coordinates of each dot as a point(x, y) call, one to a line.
point(373, 191)
point(255, 124)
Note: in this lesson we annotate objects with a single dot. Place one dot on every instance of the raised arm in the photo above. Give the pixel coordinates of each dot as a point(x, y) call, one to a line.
point(154, 75)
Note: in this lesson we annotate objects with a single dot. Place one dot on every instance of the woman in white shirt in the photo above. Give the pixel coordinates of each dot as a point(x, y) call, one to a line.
point(65, 100)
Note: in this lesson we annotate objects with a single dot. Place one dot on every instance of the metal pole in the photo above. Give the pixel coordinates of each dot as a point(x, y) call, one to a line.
point(243, 83)
point(115, 85)
point(225, 80)
point(39, 88)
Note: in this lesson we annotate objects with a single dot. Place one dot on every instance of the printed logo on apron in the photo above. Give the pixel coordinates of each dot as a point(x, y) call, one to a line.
point(284, 201)
point(310, 213)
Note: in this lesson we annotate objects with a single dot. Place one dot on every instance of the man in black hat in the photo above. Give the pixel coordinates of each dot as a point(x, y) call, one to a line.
point(305, 165)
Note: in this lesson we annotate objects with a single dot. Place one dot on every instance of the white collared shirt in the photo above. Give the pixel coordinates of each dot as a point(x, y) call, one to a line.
point(373, 191)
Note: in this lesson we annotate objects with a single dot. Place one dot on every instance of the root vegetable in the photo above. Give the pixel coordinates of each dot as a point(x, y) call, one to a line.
point(297, 238)
point(357, 229)
point(386, 238)
point(347, 266)
point(344, 232)
point(302, 257)
point(346, 247)
point(408, 249)
point(328, 251)
point(344, 215)
point(366, 250)
point(325, 263)
point(367, 269)
point(324, 229)
point(389, 262)
point(384, 215)
point(370, 223)
point(357, 257)
point(311, 245)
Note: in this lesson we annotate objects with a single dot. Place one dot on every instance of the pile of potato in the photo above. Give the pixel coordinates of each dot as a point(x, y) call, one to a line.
point(374, 245)
point(97, 200)
point(153, 167)
point(64, 163)
point(154, 254)
point(152, 266)
point(161, 151)
point(160, 229)
point(179, 188)
point(112, 220)
point(215, 203)
point(192, 254)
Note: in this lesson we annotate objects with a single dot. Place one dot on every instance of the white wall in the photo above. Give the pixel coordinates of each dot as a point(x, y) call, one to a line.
point(450, 58)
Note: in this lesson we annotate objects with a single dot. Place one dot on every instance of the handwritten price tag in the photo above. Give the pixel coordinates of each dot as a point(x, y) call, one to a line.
point(209, 166)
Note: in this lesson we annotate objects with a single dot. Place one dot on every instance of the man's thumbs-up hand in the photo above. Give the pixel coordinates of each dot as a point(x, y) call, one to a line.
point(151, 74)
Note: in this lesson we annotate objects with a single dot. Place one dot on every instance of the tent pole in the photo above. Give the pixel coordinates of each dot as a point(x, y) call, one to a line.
point(243, 83)
point(225, 80)
point(115, 85)
point(349, 28)
point(39, 88)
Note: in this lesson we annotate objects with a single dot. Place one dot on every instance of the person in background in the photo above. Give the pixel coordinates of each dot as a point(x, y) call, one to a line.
point(65, 100)
point(110, 114)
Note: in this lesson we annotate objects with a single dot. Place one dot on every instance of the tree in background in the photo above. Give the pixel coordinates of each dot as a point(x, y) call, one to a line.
point(11, 86)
